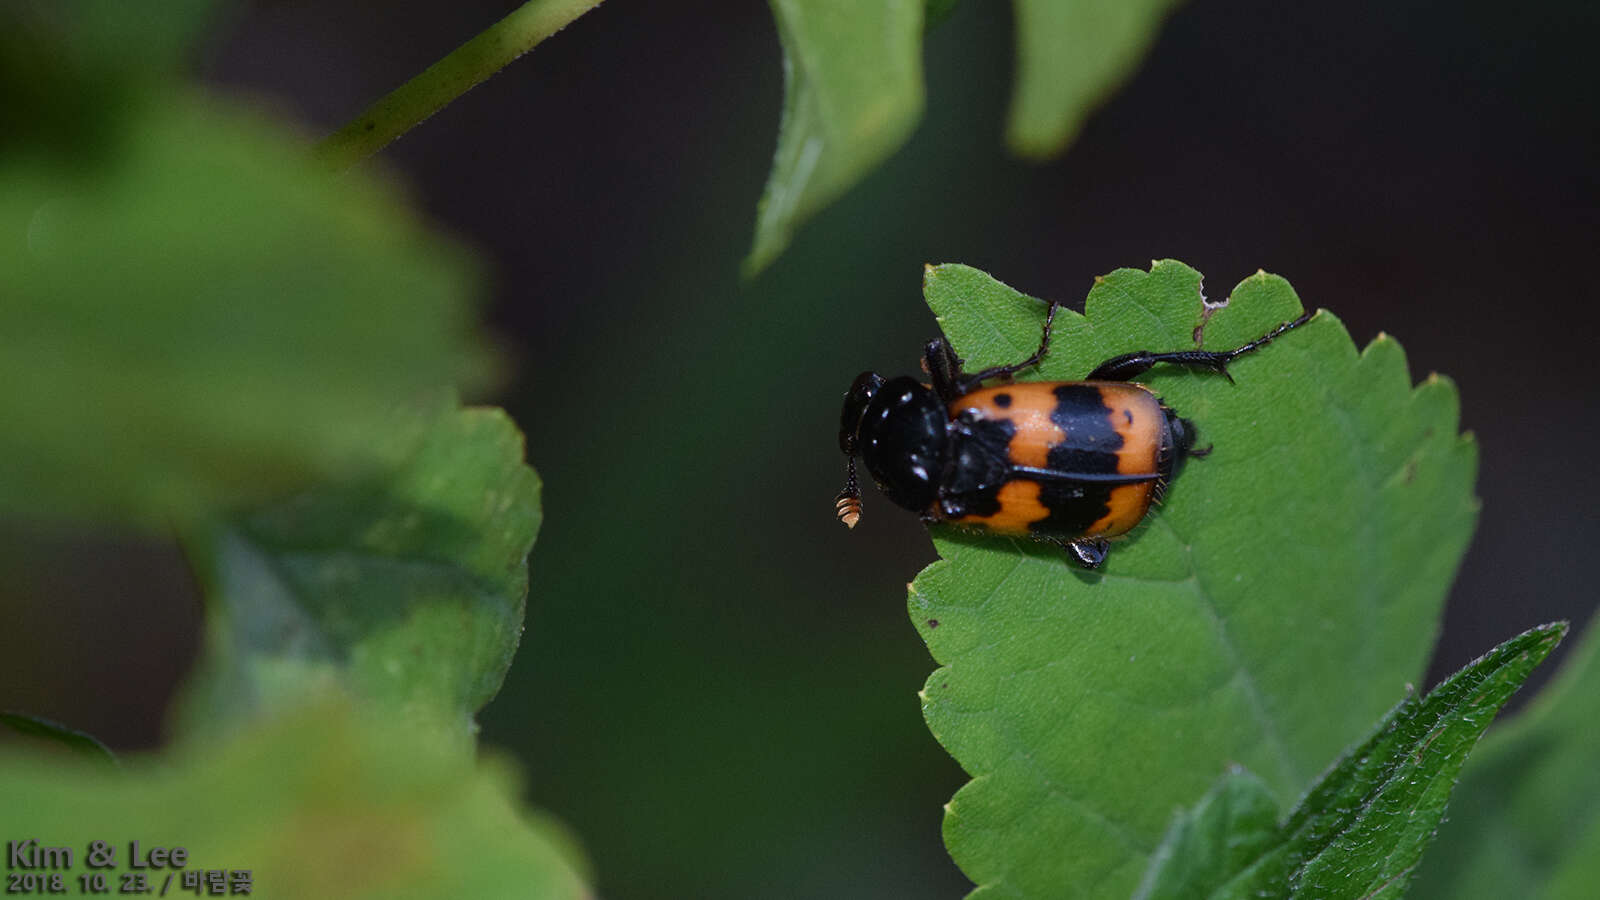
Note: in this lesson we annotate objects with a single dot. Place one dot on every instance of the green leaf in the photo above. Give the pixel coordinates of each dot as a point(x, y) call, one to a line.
point(1230, 827)
point(110, 33)
point(321, 804)
point(853, 89)
point(1313, 547)
point(853, 93)
point(407, 587)
point(70, 738)
point(1070, 55)
point(201, 319)
point(75, 71)
point(1360, 831)
point(1525, 821)
point(935, 12)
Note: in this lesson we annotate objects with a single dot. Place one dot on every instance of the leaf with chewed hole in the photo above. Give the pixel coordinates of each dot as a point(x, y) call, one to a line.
point(406, 587)
point(1287, 590)
point(1525, 820)
point(1359, 833)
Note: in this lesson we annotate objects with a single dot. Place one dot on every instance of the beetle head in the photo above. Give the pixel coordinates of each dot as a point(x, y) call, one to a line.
point(861, 392)
point(899, 429)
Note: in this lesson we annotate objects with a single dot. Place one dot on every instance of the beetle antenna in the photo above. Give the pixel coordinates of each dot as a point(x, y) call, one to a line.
point(847, 506)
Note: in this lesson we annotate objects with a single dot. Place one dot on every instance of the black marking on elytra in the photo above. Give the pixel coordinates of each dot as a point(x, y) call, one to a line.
point(979, 465)
point(1002, 400)
point(1090, 447)
point(1091, 442)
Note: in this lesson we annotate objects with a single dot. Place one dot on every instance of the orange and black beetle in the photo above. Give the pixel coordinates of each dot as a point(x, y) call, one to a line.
point(1071, 462)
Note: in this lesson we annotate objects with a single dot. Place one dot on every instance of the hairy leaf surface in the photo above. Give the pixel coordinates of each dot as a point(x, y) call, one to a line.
point(1206, 846)
point(1525, 820)
point(1361, 830)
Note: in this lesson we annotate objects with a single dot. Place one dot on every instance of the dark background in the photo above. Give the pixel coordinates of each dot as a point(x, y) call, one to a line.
point(717, 685)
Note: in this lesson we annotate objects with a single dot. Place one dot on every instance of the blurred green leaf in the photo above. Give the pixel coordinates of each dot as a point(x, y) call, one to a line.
point(320, 804)
point(128, 36)
point(853, 89)
point(1360, 832)
point(407, 587)
point(853, 93)
point(1525, 821)
point(1312, 548)
point(935, 12)
point(203, 319)
point(73, 72)
point(1071, 54)
point(55, 732)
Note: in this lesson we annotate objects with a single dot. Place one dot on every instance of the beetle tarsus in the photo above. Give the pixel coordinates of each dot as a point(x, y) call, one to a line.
point(1089, 554)
point(847, 503)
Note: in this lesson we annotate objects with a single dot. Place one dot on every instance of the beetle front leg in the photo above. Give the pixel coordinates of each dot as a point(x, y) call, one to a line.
point(969, 383)
point(941, 364)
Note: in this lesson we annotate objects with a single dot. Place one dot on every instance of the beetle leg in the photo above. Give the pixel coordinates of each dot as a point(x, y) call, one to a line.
point(1129, 365)
point(968, 383)
point(944, 368)
point(1087, 553)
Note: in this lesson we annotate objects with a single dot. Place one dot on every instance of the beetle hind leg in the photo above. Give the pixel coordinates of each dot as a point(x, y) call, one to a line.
point(1087, 553)
point(1129, 365)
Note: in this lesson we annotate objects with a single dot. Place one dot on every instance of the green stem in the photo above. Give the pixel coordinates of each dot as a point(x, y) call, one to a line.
point(466, 67)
